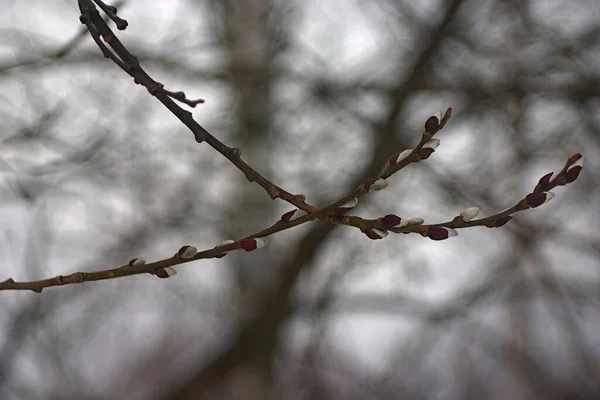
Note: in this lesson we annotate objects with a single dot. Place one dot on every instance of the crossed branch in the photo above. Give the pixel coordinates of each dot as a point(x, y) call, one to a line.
point(335, 212)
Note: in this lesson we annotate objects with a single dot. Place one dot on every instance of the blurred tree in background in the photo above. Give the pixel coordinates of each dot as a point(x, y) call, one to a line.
point(318, 95)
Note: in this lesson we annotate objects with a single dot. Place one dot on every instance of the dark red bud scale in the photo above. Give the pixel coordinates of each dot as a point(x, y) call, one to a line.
point(161, 273)
point(437, 233)
point(502, 221)
point(535, 199)
point(432, 124)
point(391, 220)
point(288, 216)
point(248, 244)
point(544, 180)
point(426, 152)
point(165, 272)
point(375, 234)
point(573, 173)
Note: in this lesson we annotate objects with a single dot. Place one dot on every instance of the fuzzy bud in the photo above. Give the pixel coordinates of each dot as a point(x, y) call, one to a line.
point(253, 244)
point(137, 262)
point(226, 242)
point(292, 215)
point(536, 199)
point(469, 213)
point(414, 221)
point(375, 234)
point(165, 272)
point(375, 184)
point(187, 252)
point(399, 157)
point(440, 233)
point(347, 206)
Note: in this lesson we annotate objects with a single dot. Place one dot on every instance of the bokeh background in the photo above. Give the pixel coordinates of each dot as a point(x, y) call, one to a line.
point(317, 94)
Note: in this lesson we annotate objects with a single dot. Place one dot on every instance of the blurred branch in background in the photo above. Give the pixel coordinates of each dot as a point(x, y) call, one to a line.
point(318, 96)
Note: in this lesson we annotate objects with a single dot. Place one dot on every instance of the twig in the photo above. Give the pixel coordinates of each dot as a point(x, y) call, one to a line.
point(333, 213)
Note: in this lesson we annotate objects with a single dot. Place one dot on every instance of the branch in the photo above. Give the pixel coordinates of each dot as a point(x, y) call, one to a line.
point(332, 213)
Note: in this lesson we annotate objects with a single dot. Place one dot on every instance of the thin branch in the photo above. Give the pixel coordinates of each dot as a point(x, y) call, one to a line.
point(332, 213)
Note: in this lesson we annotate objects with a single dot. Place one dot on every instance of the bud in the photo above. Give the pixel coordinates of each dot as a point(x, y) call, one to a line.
point(137, 262)
point(536, 199)
point(226, 242)
point(375, 234)
point(292, 215)
point(414, 221)
point(253, 244)
point(347, 206)
point(574, 170)
point(440, 233)
point(502, 221)
point(433, 123)
point(391, 220)
point(187, 252)
point(164, 272)
point(469, 213)
point(399, 157)
point(375, 184)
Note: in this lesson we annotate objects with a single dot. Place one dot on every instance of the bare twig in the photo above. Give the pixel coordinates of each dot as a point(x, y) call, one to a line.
point(332, 213)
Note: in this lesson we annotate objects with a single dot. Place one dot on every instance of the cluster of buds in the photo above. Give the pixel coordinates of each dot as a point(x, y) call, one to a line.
point(564, 177)
point(539, 196)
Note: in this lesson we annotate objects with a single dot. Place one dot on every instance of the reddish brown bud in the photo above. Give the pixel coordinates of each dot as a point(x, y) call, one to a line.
point(502, 221)
point(536, 199)
point(136, 262)
point(544, 180)
point(253, 244)
point(391, 220)
point(288, 216)
point(248, 244)
point(440, 233)
point(425, 153)
point(573, 173)
point(164, 272)
point(432, 124)
point(187, 252)
point(375, 234)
